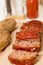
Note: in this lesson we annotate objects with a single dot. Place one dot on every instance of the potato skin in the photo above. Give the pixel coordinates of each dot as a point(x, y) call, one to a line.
point(4, 38)
point(9, 24)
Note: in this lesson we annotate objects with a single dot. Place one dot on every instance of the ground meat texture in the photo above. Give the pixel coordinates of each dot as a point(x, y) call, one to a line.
point(22, 57)
point(27, 45)
point(33, 25)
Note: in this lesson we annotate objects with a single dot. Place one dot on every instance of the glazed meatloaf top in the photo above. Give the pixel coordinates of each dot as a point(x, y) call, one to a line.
point(33, 25)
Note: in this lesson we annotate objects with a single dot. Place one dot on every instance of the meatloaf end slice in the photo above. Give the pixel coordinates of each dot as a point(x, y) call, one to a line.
point(22, 57)
point(34, 25)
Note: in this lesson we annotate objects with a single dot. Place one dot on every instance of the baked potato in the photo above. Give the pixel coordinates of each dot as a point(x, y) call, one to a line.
point(4, 38)
point(9, 24)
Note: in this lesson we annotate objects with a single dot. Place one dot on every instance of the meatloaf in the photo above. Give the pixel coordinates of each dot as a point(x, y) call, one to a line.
point(27, 45)
point(33, 25)
point(22, 57)
point(23, 35)
point(29, 37)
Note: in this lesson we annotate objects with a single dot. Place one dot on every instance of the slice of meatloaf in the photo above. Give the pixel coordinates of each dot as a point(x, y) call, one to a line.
point(27, 45)
point(22, 57)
